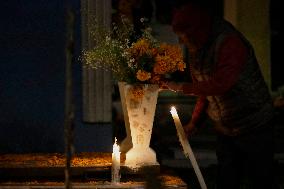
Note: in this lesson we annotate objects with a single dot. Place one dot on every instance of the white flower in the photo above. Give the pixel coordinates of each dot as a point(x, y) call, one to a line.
point(132, 60)
point(124, 54)
point(130, 63)
point(108, 40)
point(127, 42)
point(142, 19)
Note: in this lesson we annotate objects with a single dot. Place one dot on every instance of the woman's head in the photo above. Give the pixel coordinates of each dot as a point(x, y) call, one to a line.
point(192, 23)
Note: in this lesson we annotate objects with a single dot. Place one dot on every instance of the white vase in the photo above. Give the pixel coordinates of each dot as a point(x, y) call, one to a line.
point(126, 144)
point(140, 113)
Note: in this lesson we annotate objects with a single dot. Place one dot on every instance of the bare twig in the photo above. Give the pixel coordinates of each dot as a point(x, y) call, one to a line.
point(69, 104)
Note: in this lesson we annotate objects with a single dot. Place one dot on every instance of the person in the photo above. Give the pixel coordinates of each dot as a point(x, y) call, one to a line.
point(231, 91)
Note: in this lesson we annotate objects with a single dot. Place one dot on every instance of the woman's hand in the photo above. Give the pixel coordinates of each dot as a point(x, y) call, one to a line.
point(163, 86)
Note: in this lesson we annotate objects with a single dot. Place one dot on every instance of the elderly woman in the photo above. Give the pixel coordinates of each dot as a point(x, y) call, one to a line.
point(231, 90)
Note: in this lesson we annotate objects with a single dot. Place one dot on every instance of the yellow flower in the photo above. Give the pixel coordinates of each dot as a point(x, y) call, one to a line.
point(181, 66)
point(141, 47)
point(143, 75)
point(169, 59)
point(154, 51)
point(163, 65)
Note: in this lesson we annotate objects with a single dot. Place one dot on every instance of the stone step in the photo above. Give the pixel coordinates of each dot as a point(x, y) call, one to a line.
point(204, 158)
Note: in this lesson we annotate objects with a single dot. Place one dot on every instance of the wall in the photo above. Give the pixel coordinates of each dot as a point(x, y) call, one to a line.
point(32, 81)
point(252, 19)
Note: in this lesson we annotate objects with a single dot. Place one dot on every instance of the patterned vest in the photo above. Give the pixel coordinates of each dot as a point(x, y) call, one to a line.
point(248, 103)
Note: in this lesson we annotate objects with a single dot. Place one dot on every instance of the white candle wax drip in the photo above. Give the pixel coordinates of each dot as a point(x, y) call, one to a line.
point(115, 169)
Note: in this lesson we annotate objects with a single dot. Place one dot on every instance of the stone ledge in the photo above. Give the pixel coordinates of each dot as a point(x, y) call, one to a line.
point(168, 182)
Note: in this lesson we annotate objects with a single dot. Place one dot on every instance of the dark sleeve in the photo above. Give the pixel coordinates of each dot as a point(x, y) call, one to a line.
point(231, 58)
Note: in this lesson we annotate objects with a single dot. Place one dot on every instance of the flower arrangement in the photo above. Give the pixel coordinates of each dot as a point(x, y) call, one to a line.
point(131, 58)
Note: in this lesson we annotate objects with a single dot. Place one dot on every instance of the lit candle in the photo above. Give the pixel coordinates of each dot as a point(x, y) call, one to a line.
point(177, 122)
point(115, 163)
point(187, 148)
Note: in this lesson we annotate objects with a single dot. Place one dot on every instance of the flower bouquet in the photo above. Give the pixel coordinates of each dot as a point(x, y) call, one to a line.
point(134, 59)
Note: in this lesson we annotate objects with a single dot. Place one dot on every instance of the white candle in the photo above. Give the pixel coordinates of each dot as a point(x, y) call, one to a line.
point(177, 121)
point(187, 148)
point(115, 163)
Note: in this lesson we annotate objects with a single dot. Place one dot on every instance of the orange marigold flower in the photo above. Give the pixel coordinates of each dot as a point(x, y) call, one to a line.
point(142, 46)
point(155, 51)
point(181, 66)
point(163, 65)
point(143, 75)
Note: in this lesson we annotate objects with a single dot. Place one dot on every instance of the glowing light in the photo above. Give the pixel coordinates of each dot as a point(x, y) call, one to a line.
point(115, 163)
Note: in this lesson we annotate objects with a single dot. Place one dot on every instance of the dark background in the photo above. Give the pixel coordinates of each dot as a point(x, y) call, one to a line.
point(32, 80)
point(277, 41)
point(32, 77)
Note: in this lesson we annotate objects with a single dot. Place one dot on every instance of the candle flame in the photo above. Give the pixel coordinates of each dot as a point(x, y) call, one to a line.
point(115, 147)
point(173, 110)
